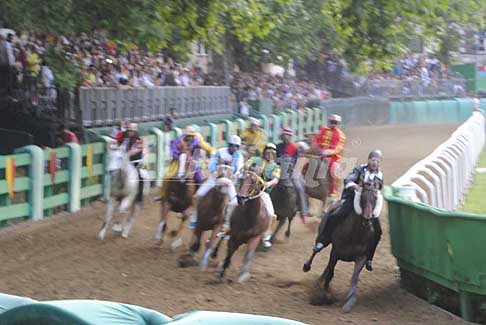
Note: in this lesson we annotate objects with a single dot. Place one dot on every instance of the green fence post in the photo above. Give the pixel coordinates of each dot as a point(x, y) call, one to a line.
point(242, 124)
point(106, 161)
point(229, 129)
point(159, 149)
point(300, 124)
point(275, 128)
point(265, 127)
point(316, 119)
point(36, 175)
point(309, 118)
point(74, 183)
point(284, 120)
point(293, 121)
point(213, 134)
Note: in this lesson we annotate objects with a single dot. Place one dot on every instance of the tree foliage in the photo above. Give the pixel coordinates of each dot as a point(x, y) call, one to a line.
point(367, 33)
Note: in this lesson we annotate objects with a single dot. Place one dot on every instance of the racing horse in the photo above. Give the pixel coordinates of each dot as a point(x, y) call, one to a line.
point(124, 188)
point(351, 240)
point(249, 221)
point(284, 199)
point(211, 210)
point(178, 199)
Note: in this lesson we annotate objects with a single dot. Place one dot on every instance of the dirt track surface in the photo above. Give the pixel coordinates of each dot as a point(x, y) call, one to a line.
point(60, 258)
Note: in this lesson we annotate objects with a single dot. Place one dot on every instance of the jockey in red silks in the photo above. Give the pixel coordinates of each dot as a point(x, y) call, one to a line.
point(330, 141)
point(133, 144)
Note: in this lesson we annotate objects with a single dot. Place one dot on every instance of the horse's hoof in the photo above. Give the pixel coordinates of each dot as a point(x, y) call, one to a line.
point(306, 267)
point(117, 228)
point(173, 233)
point(287, 234)
point(348, 306)
point(176, 243)
point(203, 265)
point(101, 234)
point(244, 277)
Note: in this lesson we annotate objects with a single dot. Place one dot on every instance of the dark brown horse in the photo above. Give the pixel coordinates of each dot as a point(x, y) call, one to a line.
point(249, 221)
point(350, 241)
point(284, 199)
point(178, 199)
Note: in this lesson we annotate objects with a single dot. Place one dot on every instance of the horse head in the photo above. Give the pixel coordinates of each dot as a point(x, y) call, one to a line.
point(251, 186)
point(366, 199)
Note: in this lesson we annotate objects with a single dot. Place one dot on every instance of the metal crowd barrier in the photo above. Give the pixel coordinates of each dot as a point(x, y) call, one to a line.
point(107, 106)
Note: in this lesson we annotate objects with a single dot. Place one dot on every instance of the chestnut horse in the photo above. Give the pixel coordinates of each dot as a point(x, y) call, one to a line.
point(249, 221)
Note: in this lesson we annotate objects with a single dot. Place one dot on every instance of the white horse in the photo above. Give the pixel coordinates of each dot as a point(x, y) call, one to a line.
point(124, 187)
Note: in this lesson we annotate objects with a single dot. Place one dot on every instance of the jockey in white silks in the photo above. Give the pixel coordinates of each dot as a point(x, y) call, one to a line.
point(231, 156)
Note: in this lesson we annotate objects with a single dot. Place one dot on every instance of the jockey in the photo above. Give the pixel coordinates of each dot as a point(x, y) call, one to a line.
point(270, 172)
point(133, 144)
point(369, 171)
point(330, 141)
point(287, 154)
point(186, 145)
point(254, 135)
point(231, 156)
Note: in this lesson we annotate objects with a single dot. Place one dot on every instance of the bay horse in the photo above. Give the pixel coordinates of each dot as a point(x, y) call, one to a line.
point(178, 200)
point(124, 187)
point(351, 240)
point(284, 199)
point(249, 221)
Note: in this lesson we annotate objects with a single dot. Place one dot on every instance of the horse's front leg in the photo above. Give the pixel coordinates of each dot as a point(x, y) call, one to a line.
point(107, 218)
point(133, 212)
point(317, 248)
point(250, 251)
point(322, 294)
point(232, 247)
point(351, 296)
point(209, 249)
point(177, 233)
point(162, 224)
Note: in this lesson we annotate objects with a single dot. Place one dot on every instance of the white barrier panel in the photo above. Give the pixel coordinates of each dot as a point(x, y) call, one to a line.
point(442, 179)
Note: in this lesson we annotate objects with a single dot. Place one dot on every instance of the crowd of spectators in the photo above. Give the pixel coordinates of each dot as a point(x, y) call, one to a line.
point(285, 92)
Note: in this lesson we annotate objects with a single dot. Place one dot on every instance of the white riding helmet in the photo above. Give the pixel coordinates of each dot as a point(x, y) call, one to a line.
point(335, 118)
point(235, 140)
point(132, 127)
point(254, 121)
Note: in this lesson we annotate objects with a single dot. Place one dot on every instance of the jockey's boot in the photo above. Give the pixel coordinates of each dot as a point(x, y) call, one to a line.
point(266, 243)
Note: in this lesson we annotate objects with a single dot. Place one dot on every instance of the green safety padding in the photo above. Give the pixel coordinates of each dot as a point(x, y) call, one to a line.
point(222, 318)
point(25, 311)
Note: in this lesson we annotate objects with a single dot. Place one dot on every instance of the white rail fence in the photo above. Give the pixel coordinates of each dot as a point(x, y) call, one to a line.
point(442, 179)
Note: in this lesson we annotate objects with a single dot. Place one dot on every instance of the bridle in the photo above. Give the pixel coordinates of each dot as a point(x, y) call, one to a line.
point(257, 191)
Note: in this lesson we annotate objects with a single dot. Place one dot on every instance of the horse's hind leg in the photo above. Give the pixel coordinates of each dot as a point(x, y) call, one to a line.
point(287, 233)
point(351, 296)
point(106, 221)
point(177, 233)
point(128, 225)
point(279, 226)
point(250, 250)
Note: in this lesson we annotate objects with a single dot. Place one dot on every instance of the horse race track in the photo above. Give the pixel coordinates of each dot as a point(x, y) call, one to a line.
point(60, 258)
